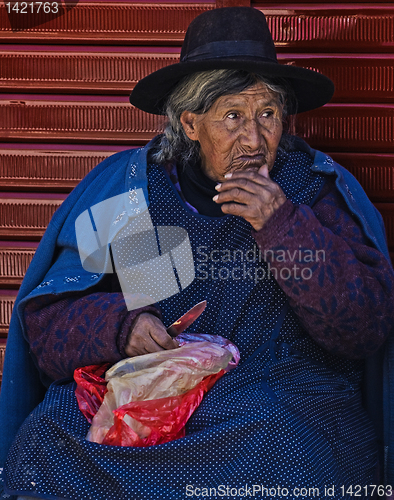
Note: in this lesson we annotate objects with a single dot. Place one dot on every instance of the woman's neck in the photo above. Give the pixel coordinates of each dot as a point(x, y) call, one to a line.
point(198, 190)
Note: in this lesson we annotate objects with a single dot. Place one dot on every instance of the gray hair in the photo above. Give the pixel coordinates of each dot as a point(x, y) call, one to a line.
point(197, 93)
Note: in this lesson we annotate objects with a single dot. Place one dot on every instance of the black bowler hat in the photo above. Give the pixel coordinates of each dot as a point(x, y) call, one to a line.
point(231, 38)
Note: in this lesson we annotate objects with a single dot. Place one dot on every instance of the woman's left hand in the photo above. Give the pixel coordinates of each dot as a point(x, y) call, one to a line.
point(250, 194)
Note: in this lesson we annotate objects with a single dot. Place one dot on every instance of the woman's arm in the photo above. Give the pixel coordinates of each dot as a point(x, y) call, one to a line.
point(341, 288)
point(66, 332)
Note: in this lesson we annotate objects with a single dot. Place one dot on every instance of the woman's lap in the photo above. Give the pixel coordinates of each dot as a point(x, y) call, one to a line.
point(270, 438)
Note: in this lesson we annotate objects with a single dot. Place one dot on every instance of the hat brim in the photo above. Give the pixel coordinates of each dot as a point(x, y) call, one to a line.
point(311, 88)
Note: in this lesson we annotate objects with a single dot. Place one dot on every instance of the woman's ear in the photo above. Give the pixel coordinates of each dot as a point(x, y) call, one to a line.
point(188, 120)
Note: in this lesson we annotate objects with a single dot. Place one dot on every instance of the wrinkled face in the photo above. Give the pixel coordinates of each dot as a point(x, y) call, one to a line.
point(240, 131)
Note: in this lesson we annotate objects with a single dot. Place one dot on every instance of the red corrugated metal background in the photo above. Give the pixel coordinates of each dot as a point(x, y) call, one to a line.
point(65, 78)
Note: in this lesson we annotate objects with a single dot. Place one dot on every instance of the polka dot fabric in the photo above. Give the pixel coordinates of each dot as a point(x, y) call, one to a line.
point(289, 416)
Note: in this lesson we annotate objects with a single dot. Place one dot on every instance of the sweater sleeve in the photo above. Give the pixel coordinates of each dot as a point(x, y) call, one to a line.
point(341, 289)
point(66, 332)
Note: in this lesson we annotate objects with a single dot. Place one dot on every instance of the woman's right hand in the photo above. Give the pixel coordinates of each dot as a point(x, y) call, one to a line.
point(148, 335)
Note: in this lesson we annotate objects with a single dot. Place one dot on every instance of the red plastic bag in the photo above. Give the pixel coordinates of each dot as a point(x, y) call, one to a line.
point(149, 398)
point(91, 388)
point(165, 417)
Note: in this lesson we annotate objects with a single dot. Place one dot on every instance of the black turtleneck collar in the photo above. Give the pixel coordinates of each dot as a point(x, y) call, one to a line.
point(198, 190)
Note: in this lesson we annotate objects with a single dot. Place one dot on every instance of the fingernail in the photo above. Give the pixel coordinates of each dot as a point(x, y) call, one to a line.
point(227, 176)
point(215, 197)
point(218, 186)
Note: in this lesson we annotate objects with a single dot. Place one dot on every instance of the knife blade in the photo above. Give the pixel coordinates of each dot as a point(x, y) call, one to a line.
point(187, 319)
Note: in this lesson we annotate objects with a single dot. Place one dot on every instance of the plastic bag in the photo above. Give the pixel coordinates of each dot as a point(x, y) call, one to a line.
point(91, 388)
point(149, 398)
point(155, 421)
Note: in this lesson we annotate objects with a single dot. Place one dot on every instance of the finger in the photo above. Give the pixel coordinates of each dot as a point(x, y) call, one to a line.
point(241, 210)
point(151, 331)
point(258, 198)
point(161, 337)
point(251, 182)
point(140, 342)
point(238, 195)
point(261, 174)
point(158, 332)
point(264, 171)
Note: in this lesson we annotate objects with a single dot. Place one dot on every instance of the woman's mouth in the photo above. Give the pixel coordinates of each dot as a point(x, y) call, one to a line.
point(247, 161)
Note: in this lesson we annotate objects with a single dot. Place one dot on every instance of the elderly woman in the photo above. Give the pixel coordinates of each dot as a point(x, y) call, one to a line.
point(286, 249)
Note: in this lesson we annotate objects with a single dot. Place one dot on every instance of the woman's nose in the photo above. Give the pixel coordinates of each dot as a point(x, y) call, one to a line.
point(251, 135)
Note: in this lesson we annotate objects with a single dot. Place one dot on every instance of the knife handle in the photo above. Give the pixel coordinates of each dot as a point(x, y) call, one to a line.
point(172, 332)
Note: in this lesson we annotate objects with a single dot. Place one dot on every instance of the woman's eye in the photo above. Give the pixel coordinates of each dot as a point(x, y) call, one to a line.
point(232, 116)
point(267, 114)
